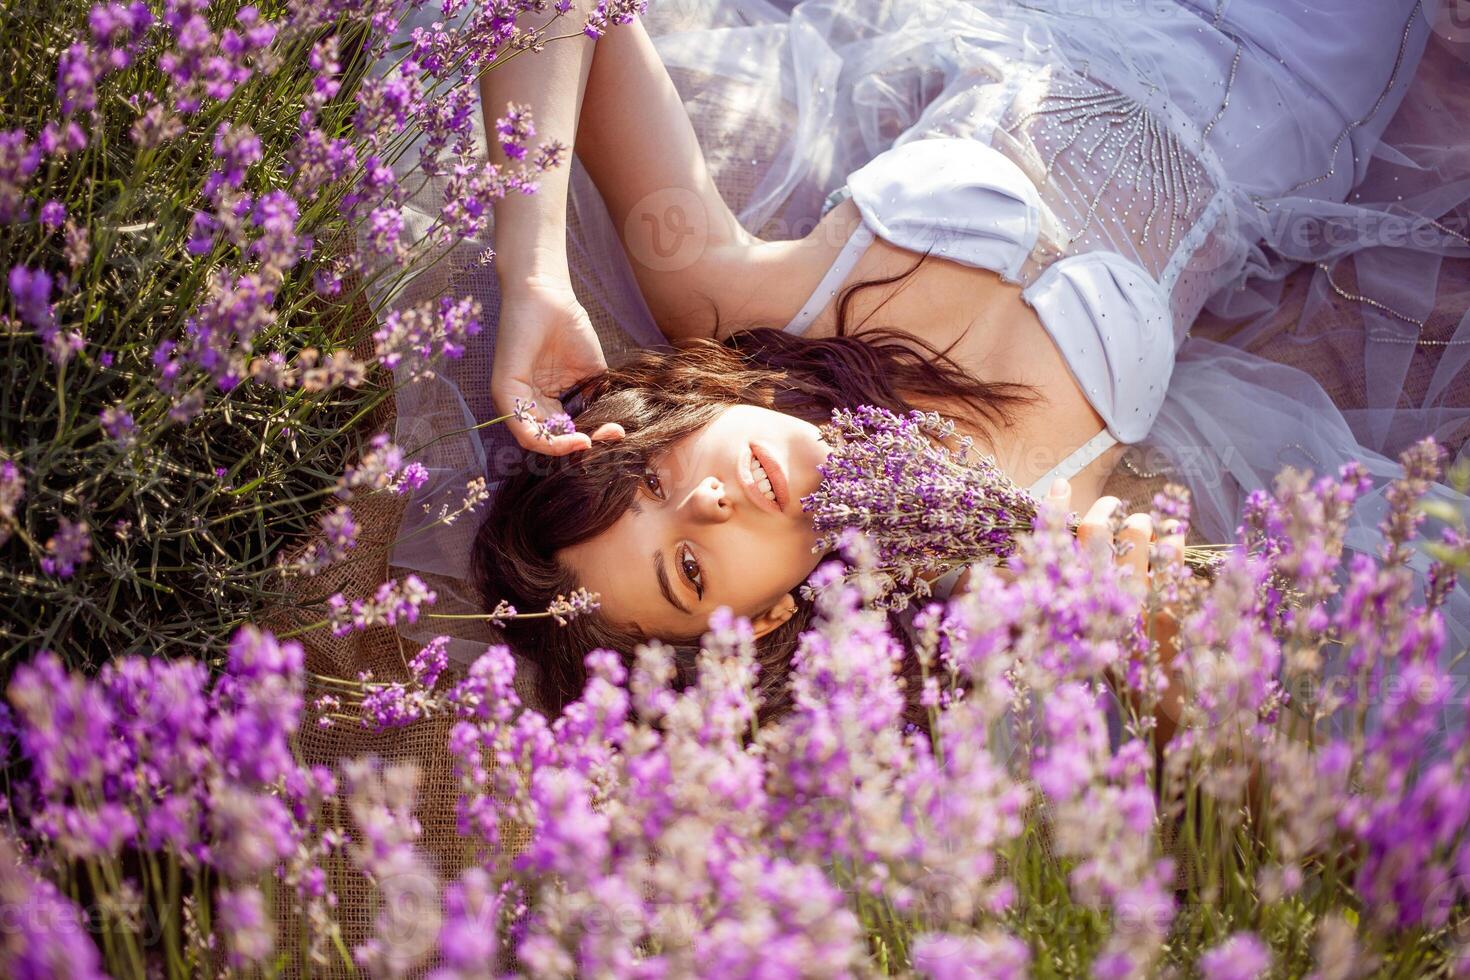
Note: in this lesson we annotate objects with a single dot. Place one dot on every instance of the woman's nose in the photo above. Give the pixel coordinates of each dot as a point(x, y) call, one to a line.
point(709, 502)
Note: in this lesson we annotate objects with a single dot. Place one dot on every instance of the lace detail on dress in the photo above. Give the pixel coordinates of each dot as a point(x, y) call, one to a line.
point(1114, 177)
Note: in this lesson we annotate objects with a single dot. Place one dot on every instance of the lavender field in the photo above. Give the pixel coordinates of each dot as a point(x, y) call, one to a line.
point(1254, 766)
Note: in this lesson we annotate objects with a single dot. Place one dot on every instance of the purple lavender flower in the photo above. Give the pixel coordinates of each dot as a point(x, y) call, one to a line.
point(259, 703)
point(278, 247)
point(946, 956)
point(12, 492)
point(222, 327)
point(205, 65)
point(472, 186)
point(468, 938)
point(381, 800)
point(571, 838)
point(392, 602)
point(514, 130)
point(317, 160)
point(154, 127)
point(67, 730)
point(117, 423)
point(203, 233)
point(610, 12)
point(1077, 742)
point(487, 692)
point(563, 609)
point(339, 531)
point(249, 932)
point(30, 293)
point(60, 140)
point(413, 476)
point(380, 468)
point(415, 339)
point(555, 424)
point(68, 549)
point(19, 158)
point(53, 215)
point(46, 937)
point(76, 80)
point(430, 662)
point(387, 103)
point(924, 507)
point(1242, 956)
point(393, 706)
point(337, 539)
point(251, 832)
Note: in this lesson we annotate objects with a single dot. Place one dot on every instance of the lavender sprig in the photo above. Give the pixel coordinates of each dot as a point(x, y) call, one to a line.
point(924, 508)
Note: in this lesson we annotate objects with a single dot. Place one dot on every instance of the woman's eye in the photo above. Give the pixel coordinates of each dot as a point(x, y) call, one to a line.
point(690, 568)
point(653, 483)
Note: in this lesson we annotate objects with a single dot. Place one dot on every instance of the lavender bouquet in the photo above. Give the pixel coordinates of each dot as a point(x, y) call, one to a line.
point(923, 507)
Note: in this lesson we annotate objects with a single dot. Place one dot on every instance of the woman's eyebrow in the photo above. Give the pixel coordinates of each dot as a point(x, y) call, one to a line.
point(663, 583)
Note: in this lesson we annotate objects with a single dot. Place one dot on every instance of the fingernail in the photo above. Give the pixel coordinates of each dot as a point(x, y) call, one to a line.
point(1059, 487)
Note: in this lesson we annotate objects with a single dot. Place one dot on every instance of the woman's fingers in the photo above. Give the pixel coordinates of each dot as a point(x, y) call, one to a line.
point(1058, 498)
point(528, 434)
point(1134, 540)
point(608, 432)
point(546, 345)
point(1169, 552)
point(1095, 532)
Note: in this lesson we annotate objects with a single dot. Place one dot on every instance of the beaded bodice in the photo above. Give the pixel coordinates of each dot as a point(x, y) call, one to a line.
point(1103, 209)
point(1113, 176)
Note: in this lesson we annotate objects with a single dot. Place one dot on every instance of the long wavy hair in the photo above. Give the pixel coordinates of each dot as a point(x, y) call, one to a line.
point(659, 397)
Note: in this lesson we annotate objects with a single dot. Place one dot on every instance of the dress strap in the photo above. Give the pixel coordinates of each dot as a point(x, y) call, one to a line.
point(857, 243)
point(1076, 462)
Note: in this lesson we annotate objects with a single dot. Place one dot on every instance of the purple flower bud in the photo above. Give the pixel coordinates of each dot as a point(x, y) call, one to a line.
point(67, 549)
point(1242, 956)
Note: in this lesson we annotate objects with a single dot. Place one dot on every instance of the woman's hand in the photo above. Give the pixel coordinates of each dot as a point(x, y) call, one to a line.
point(1133, 546)
point(546, 345)
point(1136, 547)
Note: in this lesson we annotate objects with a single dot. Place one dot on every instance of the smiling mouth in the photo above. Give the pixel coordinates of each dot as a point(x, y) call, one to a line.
point(767, 478)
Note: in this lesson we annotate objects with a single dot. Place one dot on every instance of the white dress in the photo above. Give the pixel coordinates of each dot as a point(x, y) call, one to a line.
point(1129, 164)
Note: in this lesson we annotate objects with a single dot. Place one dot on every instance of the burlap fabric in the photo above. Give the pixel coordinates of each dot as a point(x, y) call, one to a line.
point(1328, 348)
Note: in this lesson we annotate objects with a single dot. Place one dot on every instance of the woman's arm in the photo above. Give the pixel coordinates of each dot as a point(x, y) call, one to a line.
point(694, 262)
point(637, 144)
point(546, 342)
point(531, 229)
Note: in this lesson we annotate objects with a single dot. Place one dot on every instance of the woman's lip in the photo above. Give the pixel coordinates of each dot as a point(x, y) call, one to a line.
point(775, 474)
point(747, 481)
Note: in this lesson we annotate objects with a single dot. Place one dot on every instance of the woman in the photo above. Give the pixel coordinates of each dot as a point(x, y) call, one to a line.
point(1062, 194)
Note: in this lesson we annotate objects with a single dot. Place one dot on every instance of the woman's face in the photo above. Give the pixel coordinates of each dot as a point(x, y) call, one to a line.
point(718, 522)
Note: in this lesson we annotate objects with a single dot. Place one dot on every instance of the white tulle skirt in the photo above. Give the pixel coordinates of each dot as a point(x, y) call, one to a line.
point(1332, 318)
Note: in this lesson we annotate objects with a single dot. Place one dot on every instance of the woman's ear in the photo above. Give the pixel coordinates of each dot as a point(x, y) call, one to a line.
point(777, 615)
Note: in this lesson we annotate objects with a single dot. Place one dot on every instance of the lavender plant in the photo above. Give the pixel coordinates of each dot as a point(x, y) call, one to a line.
point(1099, 787)
point(923, 507)
point(183, 308)
point(1038, 824)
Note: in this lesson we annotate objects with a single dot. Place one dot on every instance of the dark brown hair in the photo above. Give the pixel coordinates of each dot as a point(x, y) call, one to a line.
point(660, 397)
